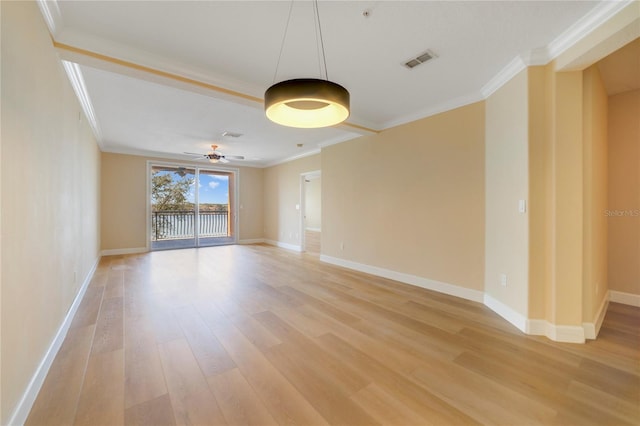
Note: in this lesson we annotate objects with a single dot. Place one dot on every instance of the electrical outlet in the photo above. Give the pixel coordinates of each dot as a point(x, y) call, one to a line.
point(503, 280)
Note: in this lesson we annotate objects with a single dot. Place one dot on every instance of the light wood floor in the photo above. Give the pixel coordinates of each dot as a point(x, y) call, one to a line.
point(259, 335)
point(312, 242)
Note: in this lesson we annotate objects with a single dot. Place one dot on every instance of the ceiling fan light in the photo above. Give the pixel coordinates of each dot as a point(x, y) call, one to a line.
point(306, 103)
point(213, 160)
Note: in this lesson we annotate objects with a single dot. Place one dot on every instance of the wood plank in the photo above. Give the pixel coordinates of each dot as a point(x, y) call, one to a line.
point(58, 398)
point(388, 354)
point(114, 287)
point(387, 409)
point(143, 369)
point(326, 308)
point(102, 397)
point(481, 398)
point(541, 387)
point(191, 399)
point(238, 401)
point(155, 412)
point(109, 335)
point(408, 392)
point(309, 356)
point(209, 353)
point(87, 313)
point(625, 411)
point(224, 311)
point(320, 385)
point(280, 397)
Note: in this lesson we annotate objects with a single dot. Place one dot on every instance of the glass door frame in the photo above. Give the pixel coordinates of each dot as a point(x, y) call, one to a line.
point(234, 185)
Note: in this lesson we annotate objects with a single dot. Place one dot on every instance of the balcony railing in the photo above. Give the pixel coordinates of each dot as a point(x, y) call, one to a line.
point(172, 225)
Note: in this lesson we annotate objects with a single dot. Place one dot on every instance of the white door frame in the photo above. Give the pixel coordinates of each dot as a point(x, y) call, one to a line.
point(303, 177)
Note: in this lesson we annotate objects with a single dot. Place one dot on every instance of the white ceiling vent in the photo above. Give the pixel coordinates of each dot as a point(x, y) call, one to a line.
point(231, 135)
point(420, 59)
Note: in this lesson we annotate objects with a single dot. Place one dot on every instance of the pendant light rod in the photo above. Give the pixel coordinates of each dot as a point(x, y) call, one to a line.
point(284, 37)
point(324, 58)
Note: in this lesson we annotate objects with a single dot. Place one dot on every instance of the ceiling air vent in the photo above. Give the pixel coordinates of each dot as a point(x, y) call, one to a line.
point(231, 134)
point(420, 59)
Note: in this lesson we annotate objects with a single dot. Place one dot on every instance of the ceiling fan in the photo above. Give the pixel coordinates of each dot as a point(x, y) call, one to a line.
point(216, 157)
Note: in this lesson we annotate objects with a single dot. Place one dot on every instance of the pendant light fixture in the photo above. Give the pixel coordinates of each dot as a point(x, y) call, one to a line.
point(307, 102)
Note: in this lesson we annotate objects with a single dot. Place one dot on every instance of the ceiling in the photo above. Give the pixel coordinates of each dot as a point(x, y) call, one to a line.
point(161, 78)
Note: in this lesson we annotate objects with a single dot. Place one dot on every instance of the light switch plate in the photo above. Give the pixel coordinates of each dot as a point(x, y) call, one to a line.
point(522, 206)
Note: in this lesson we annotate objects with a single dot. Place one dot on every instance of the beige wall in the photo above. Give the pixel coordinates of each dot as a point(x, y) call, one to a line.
point(124, 201)
point(540, 207)
point(251, 203)
point(506, 182)
point(410, 199)
point(567, 199)
point(594, 193)
point(624, 192)
point(50, 197)
point(281, 195)
point(313, 203)
point(123, 204)
point(568, 175)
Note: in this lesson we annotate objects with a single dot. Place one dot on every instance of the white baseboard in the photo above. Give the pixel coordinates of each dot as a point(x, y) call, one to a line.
point(537, 327)
point(25, 404)
point(515, 318)
point(313, 229)
point(566, 333)
point(450, 289)
point(591, 329)
point(284, 245)
point(625, 298)
point(558, 333)
point(114, 252)
point(252, 241)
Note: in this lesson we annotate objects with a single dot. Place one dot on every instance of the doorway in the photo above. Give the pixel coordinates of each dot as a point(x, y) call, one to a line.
point(191, 206)
point(311, 223)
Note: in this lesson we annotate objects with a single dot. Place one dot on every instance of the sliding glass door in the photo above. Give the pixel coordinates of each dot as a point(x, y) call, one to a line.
point(191, 207)
point(215, 195)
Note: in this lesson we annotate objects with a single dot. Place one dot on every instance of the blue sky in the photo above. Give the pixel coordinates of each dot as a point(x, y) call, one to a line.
point(214, 189)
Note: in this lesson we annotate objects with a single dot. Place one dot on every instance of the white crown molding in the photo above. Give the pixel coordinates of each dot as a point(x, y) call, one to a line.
point(77, 82)
point(293, 157)
point(431, 111)
point(338, 139)
point(50, 11)
point(440, 287)
point(22, 409)
point(535, 57)
point(542, 56)
point(512, 69)
point(625, 298)
point(604, 11)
